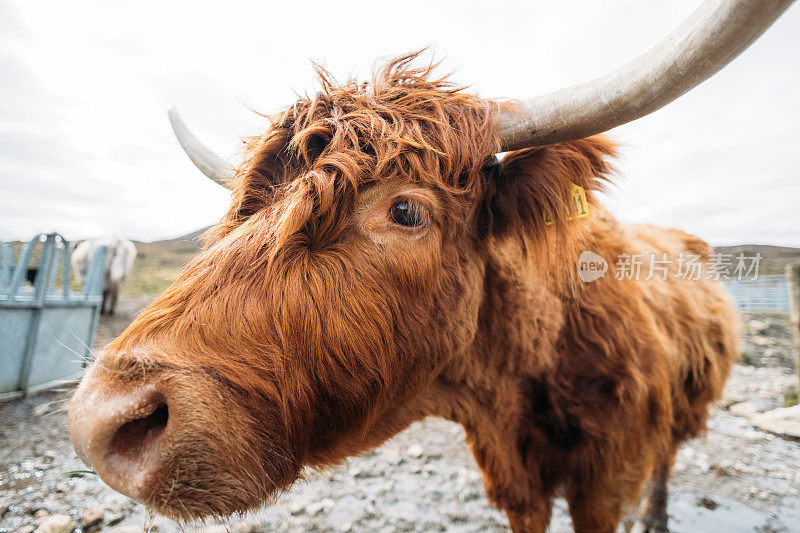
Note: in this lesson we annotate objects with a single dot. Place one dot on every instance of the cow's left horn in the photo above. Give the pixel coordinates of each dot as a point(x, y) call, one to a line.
point(717, 32)
point(203, 157)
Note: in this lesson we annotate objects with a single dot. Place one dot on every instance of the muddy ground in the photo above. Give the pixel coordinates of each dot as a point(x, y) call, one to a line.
point(735, 479)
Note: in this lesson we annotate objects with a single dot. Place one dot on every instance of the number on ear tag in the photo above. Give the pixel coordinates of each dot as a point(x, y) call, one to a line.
point(577, 206)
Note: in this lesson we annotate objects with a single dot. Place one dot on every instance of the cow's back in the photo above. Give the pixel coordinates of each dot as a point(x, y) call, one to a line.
point(693, 315)
point(120, 256)
point(121, 262)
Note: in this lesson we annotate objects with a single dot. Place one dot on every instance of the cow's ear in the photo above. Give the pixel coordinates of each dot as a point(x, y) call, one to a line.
point(536, 188)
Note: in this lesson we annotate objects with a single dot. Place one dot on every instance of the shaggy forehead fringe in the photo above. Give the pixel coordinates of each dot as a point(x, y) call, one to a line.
point(406, 124)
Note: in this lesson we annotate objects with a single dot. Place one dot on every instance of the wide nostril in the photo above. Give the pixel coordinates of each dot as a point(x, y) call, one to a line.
point(138, 436)
point(122, 436)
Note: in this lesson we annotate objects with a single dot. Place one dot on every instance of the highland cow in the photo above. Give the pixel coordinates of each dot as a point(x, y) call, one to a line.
point(378, 264)
point(120, 255)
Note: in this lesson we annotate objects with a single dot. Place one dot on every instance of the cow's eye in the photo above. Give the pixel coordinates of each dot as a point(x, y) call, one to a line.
point(407, 213)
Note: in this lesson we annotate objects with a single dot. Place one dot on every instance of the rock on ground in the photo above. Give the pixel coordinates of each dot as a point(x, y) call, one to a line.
point(91, 518)
point(57, 523)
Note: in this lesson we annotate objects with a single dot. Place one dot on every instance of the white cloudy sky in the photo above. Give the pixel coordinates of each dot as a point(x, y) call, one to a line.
point(86, 148)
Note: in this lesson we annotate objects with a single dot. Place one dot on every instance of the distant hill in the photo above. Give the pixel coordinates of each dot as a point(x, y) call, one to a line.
point(159, 263)
point(773, 258)
point(189, 242)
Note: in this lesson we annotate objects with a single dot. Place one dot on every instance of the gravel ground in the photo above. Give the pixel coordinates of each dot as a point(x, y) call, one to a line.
point(767, 342)
point(735, 479)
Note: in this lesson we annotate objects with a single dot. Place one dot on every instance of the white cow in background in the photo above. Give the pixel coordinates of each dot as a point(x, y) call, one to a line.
point(119, 261)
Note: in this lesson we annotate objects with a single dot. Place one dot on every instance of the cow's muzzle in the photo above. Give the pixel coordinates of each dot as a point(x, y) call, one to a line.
point(122, 434)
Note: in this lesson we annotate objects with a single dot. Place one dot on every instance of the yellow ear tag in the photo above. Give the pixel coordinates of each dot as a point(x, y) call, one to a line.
point(577, 206)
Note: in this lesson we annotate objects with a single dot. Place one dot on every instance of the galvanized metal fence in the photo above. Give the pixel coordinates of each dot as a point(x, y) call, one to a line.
point(763, 295)
point(47, 329)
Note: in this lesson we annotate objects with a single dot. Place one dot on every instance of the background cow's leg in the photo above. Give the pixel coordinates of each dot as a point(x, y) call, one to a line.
point(529, 521)
point(509, 484)
point(653, 509)
point(596, 509)
point(112, 296)
point(105, 302)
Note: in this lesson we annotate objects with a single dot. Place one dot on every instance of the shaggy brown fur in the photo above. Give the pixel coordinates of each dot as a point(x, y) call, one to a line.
point(313, 327)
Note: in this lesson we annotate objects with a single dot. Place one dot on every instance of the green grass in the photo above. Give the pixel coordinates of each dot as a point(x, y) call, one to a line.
point(158, 265)
point(790, 397)
point(149, 278)
point(153, 272)
point(80, 473)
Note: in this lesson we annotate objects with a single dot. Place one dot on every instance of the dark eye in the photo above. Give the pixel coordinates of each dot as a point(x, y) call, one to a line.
point(407, 213)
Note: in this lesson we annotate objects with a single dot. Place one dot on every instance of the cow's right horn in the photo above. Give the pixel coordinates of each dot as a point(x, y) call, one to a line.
point(203, 157)
point(707, 41)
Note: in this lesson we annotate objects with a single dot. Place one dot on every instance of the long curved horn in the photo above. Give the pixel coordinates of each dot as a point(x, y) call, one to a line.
point(206, 160)
point(709, 39)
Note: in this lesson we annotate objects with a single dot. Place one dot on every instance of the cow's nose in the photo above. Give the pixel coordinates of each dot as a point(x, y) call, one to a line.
point(120, 435)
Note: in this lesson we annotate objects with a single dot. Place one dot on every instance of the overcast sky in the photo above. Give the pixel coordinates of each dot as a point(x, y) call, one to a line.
point(86, 148)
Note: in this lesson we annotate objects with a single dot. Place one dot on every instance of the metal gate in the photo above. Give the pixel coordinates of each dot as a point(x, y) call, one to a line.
point(766, 294)
point(46, 329)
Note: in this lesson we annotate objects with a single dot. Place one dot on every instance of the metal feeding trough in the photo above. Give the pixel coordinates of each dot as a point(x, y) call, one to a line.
point(46, 329)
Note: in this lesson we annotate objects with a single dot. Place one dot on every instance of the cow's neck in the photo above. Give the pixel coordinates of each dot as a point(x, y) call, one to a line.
point(486, 389)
